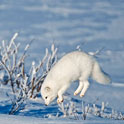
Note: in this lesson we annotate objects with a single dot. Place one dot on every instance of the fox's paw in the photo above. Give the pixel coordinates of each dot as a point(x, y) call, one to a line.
point(81, 95)
point(75, 93)
point(60, 100)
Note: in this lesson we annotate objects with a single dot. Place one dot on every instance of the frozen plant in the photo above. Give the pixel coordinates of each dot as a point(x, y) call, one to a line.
point(104, 113)
point(85, 110)
point(97, 52)
point(31, 82)
point(69, 110)
point(8, 64)
point(63, 109)
point(12, 72)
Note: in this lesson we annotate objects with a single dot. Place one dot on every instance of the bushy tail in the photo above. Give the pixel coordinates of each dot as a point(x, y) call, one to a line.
point(99, 75)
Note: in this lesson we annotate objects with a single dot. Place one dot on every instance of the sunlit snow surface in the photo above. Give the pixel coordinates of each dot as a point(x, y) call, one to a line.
point(92, 24)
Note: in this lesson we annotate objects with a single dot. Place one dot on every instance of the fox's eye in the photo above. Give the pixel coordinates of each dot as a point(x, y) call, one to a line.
point(46, 97)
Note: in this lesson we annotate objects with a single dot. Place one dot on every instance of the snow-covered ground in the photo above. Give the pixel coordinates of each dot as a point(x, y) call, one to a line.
point(92, 24)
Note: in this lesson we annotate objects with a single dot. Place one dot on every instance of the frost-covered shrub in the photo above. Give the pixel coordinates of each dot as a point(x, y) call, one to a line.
point(102, 112)
point(69, 110)
point(13, 71)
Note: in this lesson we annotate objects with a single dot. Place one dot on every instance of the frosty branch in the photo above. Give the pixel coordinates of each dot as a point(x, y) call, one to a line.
point(13, 71)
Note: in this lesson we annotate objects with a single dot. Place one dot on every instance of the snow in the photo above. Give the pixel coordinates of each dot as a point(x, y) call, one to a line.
point(85, 24)
point(27, 120)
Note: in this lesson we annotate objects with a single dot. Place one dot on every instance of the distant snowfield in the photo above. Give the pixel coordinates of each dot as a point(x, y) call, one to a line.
point(92, 24)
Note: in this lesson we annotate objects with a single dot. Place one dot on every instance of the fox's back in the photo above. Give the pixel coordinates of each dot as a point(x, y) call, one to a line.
point(70, 66)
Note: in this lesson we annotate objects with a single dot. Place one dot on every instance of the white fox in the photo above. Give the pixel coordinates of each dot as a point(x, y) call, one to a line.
point(71, 67)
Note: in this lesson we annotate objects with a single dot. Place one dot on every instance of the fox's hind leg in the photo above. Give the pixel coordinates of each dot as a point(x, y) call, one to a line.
point(86, 85)
point(78, 90)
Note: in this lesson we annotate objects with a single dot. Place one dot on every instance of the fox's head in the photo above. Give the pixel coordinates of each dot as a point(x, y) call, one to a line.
point(48, 94)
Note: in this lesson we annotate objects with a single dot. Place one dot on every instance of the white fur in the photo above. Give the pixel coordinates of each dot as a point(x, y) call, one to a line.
point(73, 66)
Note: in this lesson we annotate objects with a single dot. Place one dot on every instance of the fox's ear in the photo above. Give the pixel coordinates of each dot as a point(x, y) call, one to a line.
point(47, 89)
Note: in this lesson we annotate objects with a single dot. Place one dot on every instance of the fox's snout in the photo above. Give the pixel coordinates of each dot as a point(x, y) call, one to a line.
point(46, 104)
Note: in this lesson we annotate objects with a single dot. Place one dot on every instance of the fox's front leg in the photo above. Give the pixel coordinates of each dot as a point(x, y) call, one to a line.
point(60, 99)
point(60, 93)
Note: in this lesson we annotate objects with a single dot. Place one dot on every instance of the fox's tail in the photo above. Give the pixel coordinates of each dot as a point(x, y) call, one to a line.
point(99, 75)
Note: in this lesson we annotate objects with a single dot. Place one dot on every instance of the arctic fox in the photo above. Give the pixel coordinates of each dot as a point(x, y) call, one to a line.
point(71, 67)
